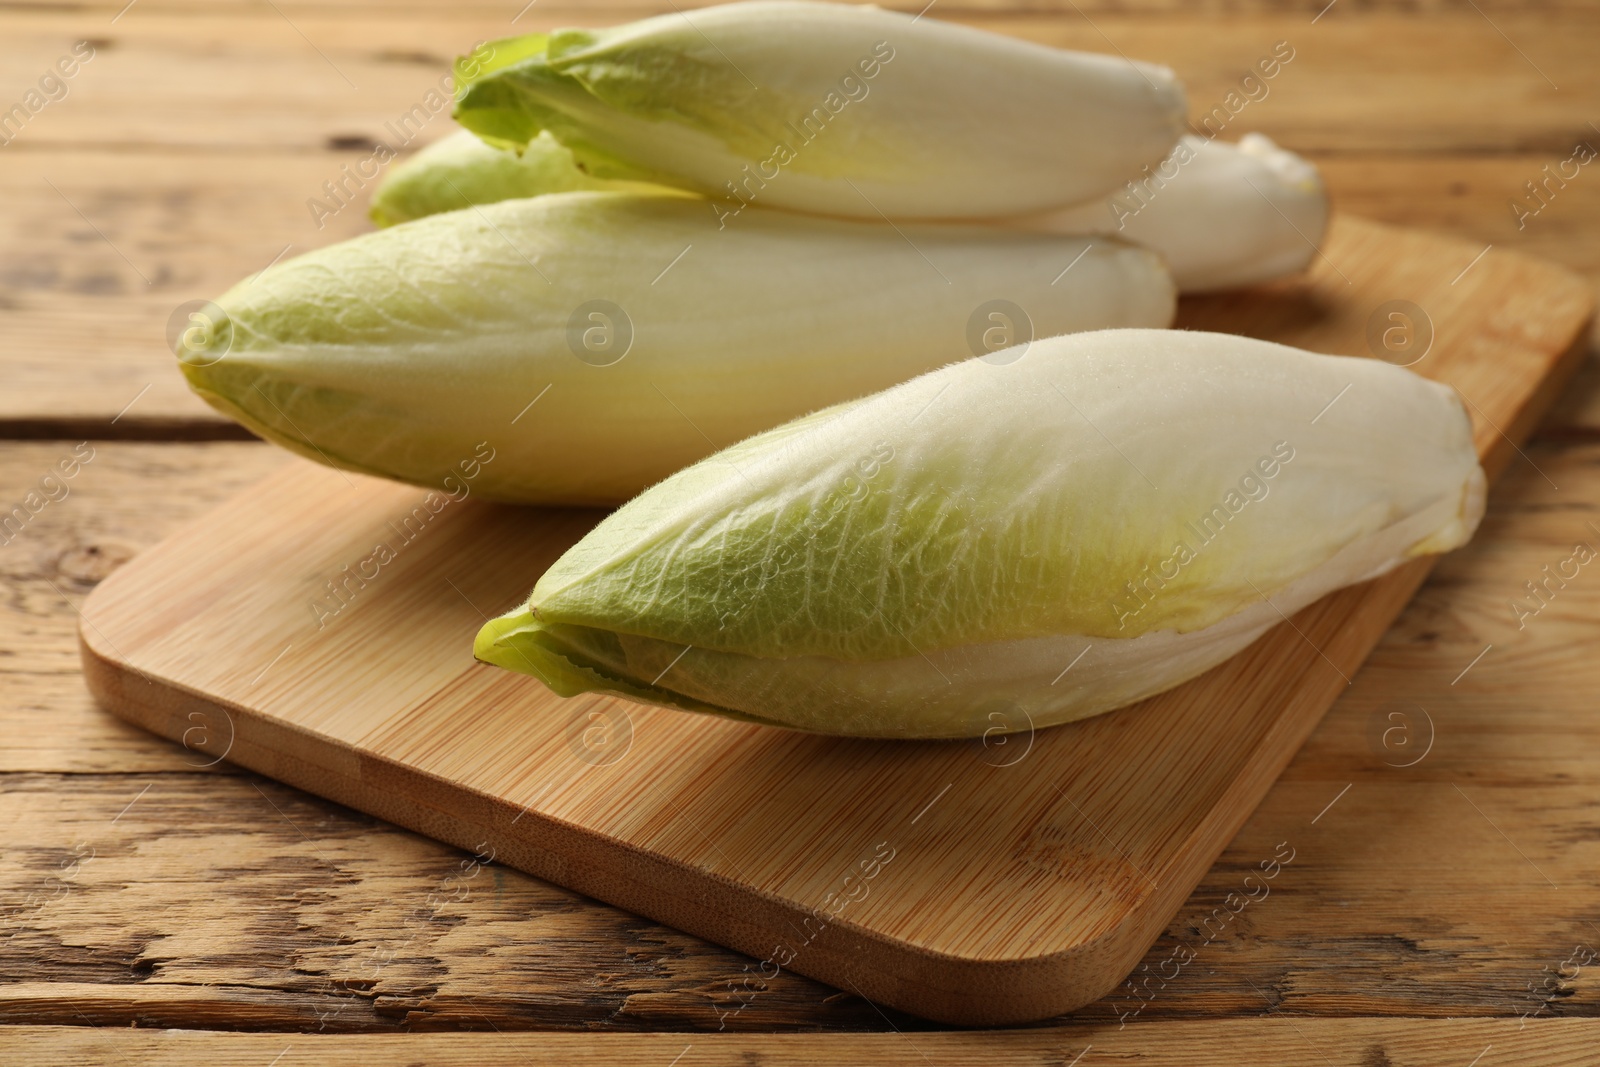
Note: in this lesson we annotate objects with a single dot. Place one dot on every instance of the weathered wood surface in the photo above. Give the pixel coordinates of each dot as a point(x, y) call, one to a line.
point(1412, 902)
point(218, 899)
point(1212, 1043)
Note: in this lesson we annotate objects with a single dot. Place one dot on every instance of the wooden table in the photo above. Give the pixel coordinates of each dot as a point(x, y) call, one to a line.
point(1434, 912)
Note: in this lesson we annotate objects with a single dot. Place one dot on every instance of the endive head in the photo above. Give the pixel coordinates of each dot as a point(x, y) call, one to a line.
point(1109, 485)
point(786, 103)
point(397, 352)
point(461, 170)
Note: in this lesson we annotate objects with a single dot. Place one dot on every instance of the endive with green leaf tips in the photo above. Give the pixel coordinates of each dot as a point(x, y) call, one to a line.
point(1006, 544)
point(461, 170)
point(1223, 215)
point(599, 341)
point(830, 108)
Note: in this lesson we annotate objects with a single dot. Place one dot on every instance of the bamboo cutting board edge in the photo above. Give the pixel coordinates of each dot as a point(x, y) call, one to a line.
point(918, 978)
point(168, 715)
point(107, 676)
point(863, 957)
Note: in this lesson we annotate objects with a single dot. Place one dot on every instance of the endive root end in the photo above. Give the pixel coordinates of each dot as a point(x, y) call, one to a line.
point(1474, 498)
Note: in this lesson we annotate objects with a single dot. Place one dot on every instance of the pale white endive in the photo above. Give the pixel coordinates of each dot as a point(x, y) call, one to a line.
point(600, 341)
point(1007, 544)
point(1223, 215)
point(830, 108)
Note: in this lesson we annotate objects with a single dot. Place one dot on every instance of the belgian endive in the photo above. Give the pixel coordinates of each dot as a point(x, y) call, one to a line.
point(1223, 215)
point(599, 341)
point(461, 170)
point(1006, 543)
point(833, 109)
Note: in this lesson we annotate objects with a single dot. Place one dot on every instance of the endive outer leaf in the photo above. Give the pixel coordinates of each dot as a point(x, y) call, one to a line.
point(1223, 215)
point(834, 109)
point(1136, 505)
point(600, 341)
point(461, 170)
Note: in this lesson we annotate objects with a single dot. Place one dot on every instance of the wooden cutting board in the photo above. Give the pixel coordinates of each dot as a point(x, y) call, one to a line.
point(990, 881)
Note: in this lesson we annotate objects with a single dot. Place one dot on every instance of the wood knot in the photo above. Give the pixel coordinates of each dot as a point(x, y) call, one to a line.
point(91, 564)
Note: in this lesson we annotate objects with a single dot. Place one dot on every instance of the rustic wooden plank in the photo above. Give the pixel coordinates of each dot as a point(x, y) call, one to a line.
point(122, 499)
point(1401, 898)
point(330, 922)
point(85, 299)
point(1191, 1043)
point(1429, 81)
